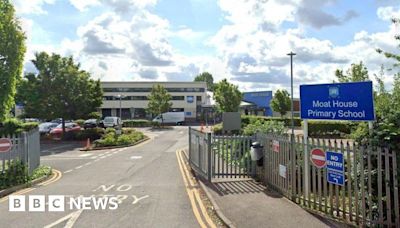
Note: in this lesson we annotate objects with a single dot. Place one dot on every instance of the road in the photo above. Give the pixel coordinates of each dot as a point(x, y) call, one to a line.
point(145, 178)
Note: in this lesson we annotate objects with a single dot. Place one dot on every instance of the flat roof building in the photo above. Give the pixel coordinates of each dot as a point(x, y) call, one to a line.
point(186, 97)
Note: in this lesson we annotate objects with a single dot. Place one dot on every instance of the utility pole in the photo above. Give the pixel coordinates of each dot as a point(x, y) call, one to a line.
point(291, 54)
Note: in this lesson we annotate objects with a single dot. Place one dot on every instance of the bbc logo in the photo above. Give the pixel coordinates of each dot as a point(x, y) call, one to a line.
point(36, 203)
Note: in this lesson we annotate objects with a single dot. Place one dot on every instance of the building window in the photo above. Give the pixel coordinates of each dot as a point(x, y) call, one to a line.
point(178, 98)
point(198, 98)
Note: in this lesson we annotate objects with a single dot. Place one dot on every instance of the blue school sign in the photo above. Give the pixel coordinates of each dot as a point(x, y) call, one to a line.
point(338, 101)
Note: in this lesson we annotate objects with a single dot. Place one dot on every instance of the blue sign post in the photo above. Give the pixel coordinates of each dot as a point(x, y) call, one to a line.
point(338, 101)
point(335, 168)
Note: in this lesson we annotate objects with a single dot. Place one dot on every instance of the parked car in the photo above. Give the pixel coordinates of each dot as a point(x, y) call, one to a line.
point(177, 118)
point(45, 128)
point(112, 121)
point(69, 127)
point(59, 120)
point(90, 123)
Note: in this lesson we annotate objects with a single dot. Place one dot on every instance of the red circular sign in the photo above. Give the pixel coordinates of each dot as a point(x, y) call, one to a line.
point(5, 145)
point(318, 158)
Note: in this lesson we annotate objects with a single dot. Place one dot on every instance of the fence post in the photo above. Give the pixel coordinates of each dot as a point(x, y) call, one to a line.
point(190, 144)
point(209, 158)
point(306, 160)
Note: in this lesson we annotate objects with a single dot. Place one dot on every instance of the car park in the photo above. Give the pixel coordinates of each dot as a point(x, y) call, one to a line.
point(90, 123)
point(69, 127)
point(112, 121)
point(45, 128)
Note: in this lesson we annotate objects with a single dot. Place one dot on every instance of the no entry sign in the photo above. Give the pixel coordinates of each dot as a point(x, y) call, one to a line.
point(318, 158)
point(5, 145)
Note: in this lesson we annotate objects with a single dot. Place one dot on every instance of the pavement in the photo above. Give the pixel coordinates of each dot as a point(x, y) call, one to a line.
point(247, 203)
point(145, 178)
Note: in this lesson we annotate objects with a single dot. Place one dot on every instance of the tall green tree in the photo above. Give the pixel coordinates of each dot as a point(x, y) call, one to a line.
point(206, 77)
point(281, 102)
point(159, 101)
point(356, 73)
point(60, 89)
point(12, 51)
point(227, 96)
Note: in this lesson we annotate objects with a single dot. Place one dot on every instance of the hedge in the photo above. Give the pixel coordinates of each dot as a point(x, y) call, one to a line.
point(90, 133)
point(129, 137)
point(137, 123)
point(329, 128)
point(14, 126)
point(287, 121)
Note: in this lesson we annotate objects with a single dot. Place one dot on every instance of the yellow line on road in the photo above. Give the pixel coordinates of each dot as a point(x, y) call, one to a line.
point(193, 192)
point(190, 194)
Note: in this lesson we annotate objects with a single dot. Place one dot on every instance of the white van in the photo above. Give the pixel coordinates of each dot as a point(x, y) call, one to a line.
point(112, 121)
point(177, 118)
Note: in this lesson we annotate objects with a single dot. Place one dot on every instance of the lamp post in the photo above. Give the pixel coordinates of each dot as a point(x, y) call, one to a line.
point(291, 54)
point(120, 105)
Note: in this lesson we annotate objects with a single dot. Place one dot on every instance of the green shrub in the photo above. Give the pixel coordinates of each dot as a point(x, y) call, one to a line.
point(318, 128)
point(14, 126)
point(15, 173)
point(40, 171)
point(29, 126)
point(94, 115)
point(79, 122)
point(248, 119)
point(11, 126)
point(128, 130)
point(111, 130)
point(137, 123)
point(217, 129)
point(276, 127)
point(126, 139)
point(91, 133)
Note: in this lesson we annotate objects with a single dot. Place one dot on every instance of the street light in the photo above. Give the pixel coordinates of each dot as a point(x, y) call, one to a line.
point(120, 105)
point(291, 54)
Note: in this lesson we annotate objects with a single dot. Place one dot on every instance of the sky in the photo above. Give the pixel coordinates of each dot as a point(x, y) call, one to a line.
point(245, 41)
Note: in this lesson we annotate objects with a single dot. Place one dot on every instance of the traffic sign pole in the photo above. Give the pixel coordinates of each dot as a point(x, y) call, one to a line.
point(306, 160)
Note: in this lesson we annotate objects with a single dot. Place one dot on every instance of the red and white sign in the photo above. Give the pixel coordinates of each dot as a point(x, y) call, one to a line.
point(275, 146)
point(318, 158)
point(5, 145)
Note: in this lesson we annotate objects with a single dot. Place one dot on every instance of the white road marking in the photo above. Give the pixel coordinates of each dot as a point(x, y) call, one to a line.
point(94, 157)
point(85, 155)
point(89, 163)
point(62, 158)
point(70, 217)
point(137, 199)
point(68, 171)
point(136, 157)
point(78, 167)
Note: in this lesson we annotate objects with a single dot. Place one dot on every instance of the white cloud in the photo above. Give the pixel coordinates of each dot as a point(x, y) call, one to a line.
point(387, 13)
point(31, 6)
point(83, 5)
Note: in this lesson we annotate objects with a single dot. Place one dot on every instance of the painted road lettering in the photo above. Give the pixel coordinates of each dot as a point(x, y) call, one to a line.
point(120, 197)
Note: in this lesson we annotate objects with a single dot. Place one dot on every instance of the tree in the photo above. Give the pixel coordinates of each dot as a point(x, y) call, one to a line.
point(159, 101)
point(227, 96)
point(59, 90)
point(206, 77)
point(356, 73)
point(12, 51)
point(281, 102)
